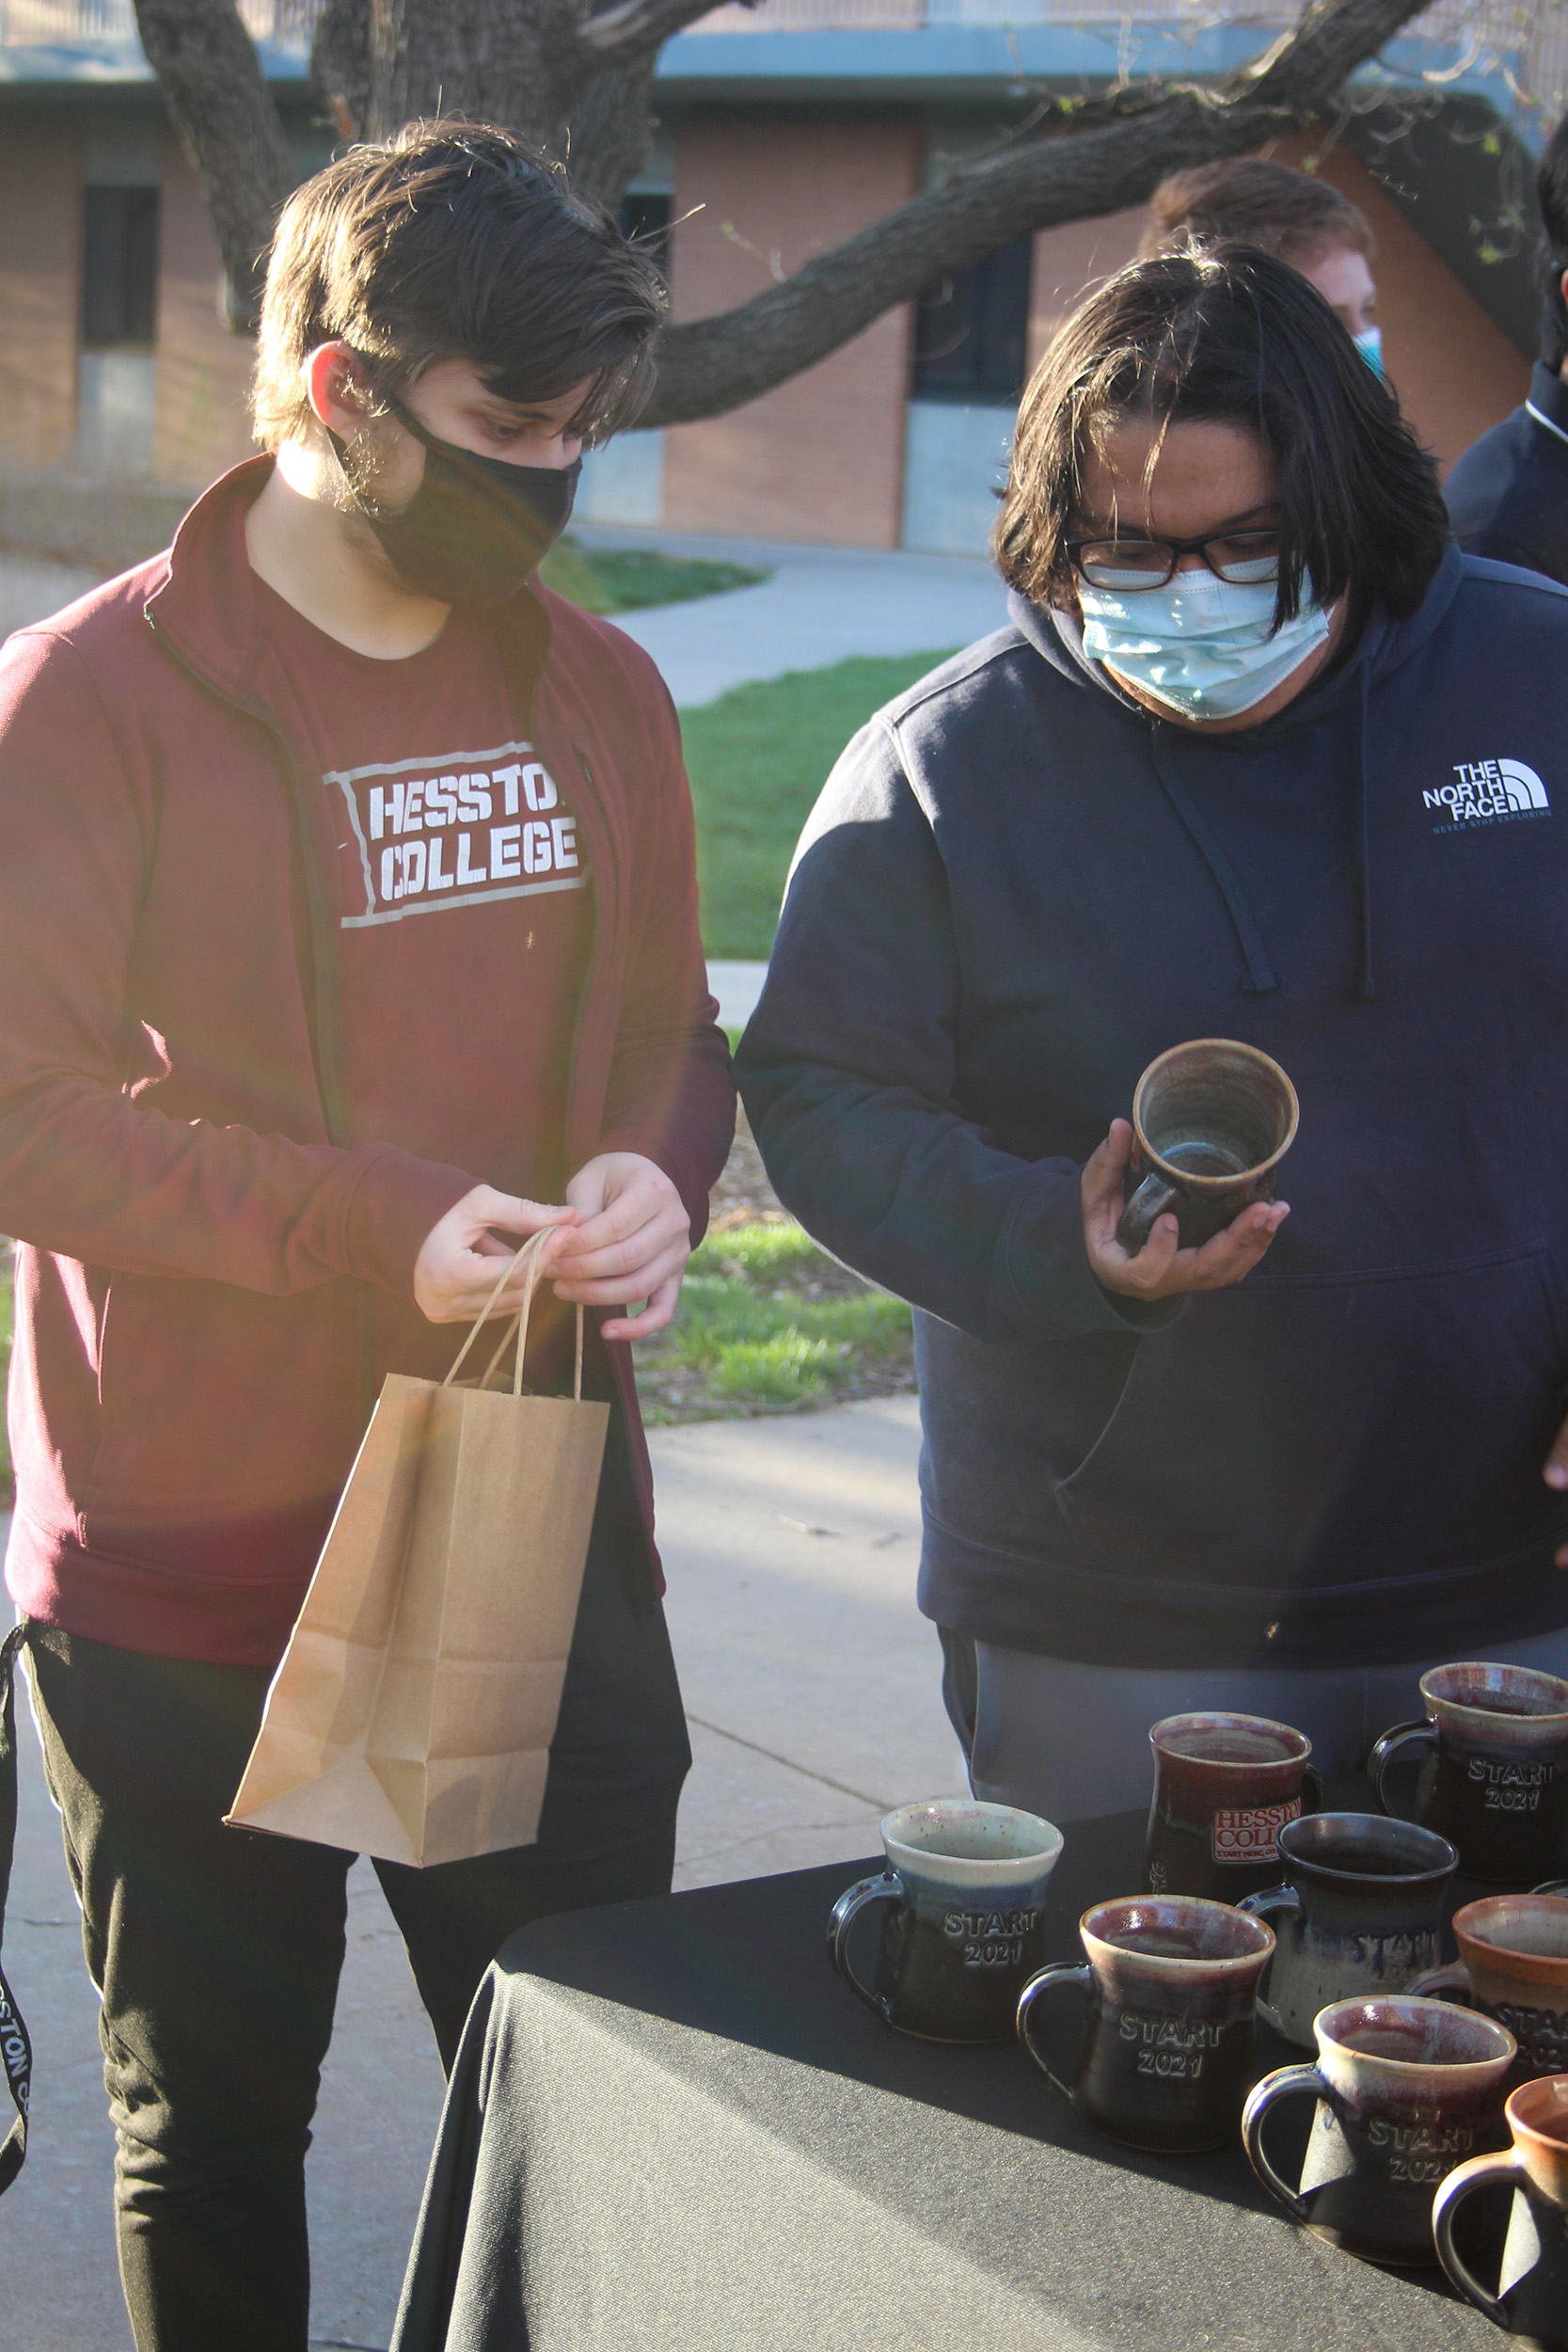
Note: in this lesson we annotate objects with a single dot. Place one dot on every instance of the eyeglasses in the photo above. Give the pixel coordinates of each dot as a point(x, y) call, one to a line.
point(1247, 559)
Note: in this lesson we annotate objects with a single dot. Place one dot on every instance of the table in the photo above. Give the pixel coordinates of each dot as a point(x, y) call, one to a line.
point(671, 2129)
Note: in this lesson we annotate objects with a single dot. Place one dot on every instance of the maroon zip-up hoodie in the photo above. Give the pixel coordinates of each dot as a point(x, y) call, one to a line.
point(214, 1271)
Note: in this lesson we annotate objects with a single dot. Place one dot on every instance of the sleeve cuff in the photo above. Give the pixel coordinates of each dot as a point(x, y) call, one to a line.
point(390, 1212)
point(1054, 1290)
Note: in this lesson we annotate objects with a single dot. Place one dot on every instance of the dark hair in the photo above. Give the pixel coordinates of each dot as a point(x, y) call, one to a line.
point(1290, 213)
point(455, 241)
point(1551, 187)
point(1233, 337)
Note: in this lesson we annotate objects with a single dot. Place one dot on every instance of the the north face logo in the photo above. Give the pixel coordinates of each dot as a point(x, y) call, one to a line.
point(1485, 793)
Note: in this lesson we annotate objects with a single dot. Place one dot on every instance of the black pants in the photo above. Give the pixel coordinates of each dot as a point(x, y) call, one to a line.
point(217, 1950)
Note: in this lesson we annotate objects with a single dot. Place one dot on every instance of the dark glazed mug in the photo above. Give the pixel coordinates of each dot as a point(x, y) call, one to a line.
point(1225, 1785)
point(1530, 2299)
point(1360, 1912)
point(1405, 2090)
point(1211, 1123)
point(1513, 1964)
point(964, 1923)
point(1166, 2051)
point(1494, 1767)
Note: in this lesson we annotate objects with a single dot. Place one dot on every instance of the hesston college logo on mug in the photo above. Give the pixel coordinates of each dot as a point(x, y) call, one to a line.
point(1250, 1833)
point(1486, 792)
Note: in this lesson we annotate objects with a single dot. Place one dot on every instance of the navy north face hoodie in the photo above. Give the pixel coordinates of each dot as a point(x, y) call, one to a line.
point(1016, 888)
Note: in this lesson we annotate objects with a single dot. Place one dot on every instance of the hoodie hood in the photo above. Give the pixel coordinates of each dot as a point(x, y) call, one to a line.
point(1382, 647)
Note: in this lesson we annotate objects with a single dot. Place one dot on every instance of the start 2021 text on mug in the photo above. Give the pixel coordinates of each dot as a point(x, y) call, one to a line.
point(1494, 1778)
point(1166, 2054)
point(1225, 1785)
point(1211, 1120)
point(964, 1917)
point(1514, 1964)
point(1405, 2090)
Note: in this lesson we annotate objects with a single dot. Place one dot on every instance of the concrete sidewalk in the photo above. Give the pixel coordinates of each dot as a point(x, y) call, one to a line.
point(811, 1684)
point(820, 606)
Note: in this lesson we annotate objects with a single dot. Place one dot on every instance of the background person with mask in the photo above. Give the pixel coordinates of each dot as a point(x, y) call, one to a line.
point(1274, 210)
point(349, 926)
point(1508, 495)
point(1260, 755)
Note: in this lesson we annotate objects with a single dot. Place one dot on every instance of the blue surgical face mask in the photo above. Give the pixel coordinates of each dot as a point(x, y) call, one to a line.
point(1370, 344)
point(1199, 644)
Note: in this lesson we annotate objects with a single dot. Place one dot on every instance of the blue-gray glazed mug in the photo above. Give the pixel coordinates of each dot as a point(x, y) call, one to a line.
point(963, 1918)
point(1360, 1912)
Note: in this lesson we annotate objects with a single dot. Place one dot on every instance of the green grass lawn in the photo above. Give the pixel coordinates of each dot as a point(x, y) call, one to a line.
point(757, 759)
point(767, 1322)
point(628, 579)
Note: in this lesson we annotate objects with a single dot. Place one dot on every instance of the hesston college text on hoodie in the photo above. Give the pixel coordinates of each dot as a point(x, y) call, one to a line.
point(1016, 888)
point(297, 948)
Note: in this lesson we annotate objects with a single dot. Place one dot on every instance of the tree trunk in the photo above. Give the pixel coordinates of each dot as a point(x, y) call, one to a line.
point(611, 132)
point(212, 84)
point(513, 64)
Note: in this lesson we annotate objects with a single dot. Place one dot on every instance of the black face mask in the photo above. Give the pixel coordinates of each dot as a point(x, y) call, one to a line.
point(476, 527)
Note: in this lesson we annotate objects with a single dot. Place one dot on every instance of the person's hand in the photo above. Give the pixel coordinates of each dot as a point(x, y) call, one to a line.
point(457, 1267)
point(1555, 1473)
point(1162, 1269)
point(632, 1240)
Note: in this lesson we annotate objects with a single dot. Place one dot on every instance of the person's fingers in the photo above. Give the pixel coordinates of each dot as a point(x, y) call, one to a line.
point(1555, 1470)
point(1228, 1256)
point(616, 1260)
point(655, 1317)
point(626, 1214)
point(1150, 1271)
point(1100, 1188)
point(639, 1281)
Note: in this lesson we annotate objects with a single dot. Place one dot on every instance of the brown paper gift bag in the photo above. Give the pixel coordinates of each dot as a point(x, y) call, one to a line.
point(412, 1714)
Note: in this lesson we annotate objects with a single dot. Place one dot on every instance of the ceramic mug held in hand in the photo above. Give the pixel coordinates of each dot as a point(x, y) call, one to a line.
point(964, 1917)
point(1530, 2297)
point(1166, 2054)
point(1211, 1120)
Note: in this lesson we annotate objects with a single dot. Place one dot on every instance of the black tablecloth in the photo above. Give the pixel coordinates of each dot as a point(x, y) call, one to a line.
point(670, 2126)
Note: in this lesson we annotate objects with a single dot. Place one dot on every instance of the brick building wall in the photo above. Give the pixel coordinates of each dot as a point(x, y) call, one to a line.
point(203, 370)
point(40, 240)
point(822, 456)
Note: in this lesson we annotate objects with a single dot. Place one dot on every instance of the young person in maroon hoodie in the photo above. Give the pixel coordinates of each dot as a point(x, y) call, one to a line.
point(350, 934)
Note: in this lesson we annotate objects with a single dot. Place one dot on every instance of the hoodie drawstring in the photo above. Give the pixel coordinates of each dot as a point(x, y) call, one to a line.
point(1261, 976)
point(1363, 839)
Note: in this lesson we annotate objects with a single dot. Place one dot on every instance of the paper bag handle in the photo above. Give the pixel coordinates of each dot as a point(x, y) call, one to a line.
point(518, 1323)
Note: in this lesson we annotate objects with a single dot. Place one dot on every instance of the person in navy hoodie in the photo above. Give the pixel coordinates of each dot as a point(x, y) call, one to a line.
point(1508, 495)
point(1260, 756)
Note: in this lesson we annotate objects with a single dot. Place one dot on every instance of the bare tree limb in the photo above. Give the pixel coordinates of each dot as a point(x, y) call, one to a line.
point(637, 28)
point(212, 80)
point(711, 365)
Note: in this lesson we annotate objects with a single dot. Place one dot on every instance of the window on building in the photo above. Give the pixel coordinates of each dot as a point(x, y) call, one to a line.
point(646, 214)
point(120, 268)
point(971, 331)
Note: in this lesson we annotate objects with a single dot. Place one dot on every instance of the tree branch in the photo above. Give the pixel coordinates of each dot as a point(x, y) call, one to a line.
point(637, 28)
point(715, 364)
point(222, 109)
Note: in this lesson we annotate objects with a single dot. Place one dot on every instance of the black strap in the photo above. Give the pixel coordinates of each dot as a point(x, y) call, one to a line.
point(16, 2050)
